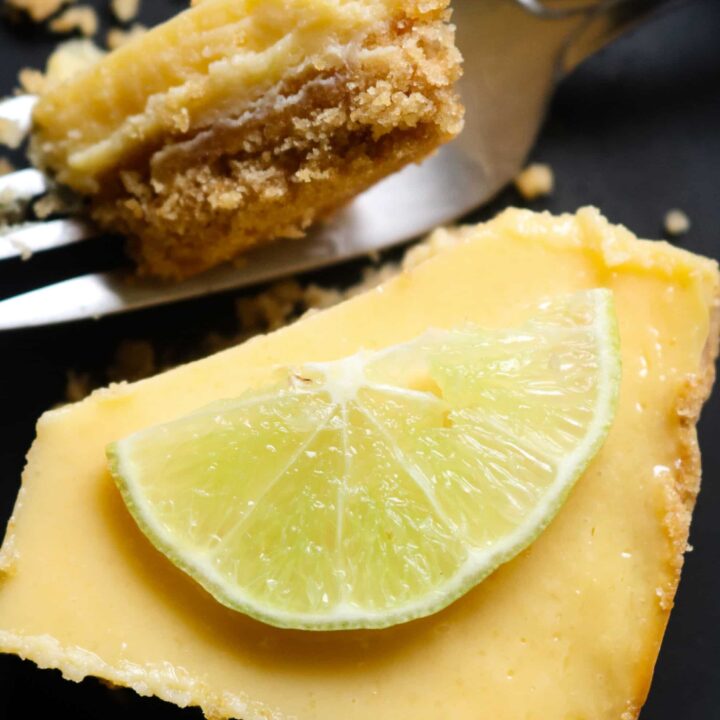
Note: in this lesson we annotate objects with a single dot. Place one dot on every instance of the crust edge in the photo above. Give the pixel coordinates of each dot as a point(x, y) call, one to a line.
point(683, 486)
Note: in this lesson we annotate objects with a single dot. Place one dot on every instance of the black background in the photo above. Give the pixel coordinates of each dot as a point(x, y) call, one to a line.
point(636, 131)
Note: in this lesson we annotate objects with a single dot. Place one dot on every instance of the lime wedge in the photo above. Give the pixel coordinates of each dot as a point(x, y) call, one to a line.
point(368, 491)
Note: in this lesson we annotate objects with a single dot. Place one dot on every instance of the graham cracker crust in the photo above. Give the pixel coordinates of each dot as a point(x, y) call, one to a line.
point(683, 487)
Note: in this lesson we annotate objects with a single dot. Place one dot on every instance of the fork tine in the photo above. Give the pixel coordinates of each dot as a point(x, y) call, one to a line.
point(99, 294)
point(24, 184)
point(25, 240)
point(18, 110)
point(79, 297)
point(21, 186)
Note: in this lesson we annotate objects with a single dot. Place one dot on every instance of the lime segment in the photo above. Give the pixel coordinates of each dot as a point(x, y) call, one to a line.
point(375, 489)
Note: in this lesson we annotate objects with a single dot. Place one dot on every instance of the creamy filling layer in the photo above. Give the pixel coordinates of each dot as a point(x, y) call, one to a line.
point(202, 65)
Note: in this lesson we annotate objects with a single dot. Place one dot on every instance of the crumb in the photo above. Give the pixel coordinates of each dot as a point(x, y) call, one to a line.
point(11, 134)
point(70, 58)
point(536, 180)
point(372, 277)
point(435, 243)
point(319, 298)
point(77, 386)
point(117, 38)
point(676, 223)
point(38, 10)
point(416, 255)
point(82, 18)
point(55, 202)
point(134, 360)
point(125, 10)
point(270, 309)
point(25, 250)
point(287, 300)
point(6, 167)
point(46, 206)
point(32, 81)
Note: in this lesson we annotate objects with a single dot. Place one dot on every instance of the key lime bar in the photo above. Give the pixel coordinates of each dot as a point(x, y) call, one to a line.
point(570, 628)
point(240, 121)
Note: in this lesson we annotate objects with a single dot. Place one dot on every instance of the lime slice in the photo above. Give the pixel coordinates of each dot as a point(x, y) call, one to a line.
point(368, 491)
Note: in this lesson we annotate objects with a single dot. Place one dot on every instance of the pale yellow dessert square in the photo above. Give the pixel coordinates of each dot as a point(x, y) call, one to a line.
point(571, 628)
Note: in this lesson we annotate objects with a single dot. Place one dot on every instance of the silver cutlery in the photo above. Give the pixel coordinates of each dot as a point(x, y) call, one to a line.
point(515, 53)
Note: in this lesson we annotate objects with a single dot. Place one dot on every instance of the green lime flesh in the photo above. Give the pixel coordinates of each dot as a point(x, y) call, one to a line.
point(372, 490)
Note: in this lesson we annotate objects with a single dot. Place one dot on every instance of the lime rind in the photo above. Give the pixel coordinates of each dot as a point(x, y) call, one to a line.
point(341, 377)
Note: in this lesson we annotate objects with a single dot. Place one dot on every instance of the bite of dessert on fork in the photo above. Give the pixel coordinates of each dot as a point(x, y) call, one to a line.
point(236, 123)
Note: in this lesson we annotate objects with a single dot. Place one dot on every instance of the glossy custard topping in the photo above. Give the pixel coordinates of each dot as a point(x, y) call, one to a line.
point(569, 629)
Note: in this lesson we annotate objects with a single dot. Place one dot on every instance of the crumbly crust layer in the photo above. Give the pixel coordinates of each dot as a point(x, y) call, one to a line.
point(682, 488)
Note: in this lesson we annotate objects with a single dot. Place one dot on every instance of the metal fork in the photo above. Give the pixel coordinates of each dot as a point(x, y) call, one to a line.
point(515, 53)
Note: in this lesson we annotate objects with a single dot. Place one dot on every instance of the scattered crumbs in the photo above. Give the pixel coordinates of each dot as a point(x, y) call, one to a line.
point(125, 10)
point(676, 222)
point(536, 180)
point(134, 360)
point(68, 59)
point(435, 243)
point(270, 309)
point(32, 81)
point(117, 37)
point(38, 10)
point(82, 18)
point(6, 167)
point(287, 300)
point(11, 134)
point(77, 386)
point(276, 306)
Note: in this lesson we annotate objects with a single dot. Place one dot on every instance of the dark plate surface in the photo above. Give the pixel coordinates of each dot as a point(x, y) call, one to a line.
point(636, 131)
